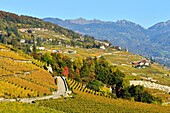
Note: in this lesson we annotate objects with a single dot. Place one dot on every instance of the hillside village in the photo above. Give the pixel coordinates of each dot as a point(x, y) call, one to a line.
point(60, 42)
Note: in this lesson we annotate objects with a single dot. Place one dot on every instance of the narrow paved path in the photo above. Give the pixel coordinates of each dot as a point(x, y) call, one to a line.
point(62, 87)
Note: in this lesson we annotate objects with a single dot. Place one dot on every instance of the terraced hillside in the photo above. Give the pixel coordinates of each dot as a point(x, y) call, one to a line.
point(19, 77)
point(84, 101)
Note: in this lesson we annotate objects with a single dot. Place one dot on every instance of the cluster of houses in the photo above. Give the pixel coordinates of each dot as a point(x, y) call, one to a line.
point(54, 50)
point(141, 64)
point(31, 30)
point(43, 40)
point(45, 49)
point(103, 45)
point(120, 48)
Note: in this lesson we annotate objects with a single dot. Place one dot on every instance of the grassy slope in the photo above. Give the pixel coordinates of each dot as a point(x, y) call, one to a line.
point(14, 107)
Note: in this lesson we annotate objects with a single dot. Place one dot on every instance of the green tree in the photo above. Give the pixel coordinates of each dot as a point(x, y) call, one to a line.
point(3, 39)
point(102, 70)
point(95, 85)
point(147, 98)
point(34, 44)
point(47, 58)
point(14, 42)
point(39, 43)
point(85, 71)
point(126, 94)
point(139, 94)
point(34, 48)
point(26, 49)
point(78, 63)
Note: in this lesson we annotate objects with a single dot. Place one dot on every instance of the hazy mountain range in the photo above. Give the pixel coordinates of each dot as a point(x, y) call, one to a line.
point(152, 42)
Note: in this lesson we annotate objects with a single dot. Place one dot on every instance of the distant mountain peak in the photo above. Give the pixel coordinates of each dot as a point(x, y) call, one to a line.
point(78, 21)
point(84, 21)
point(125, 22)
point(168, 22)
point(160, 25)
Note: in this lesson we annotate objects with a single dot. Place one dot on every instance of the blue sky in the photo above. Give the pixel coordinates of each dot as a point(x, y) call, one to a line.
point(143, 12)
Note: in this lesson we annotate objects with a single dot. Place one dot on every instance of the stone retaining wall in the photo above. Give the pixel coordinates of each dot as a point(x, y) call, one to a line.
point(150, 85)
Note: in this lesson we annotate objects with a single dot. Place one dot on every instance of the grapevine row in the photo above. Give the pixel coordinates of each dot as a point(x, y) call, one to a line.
point(16, 67)
point(27, 85)
point(41, 78)
point(10, 54)
point(19, 56)
point(79, 87)
point(4, 72)
point(9, 90)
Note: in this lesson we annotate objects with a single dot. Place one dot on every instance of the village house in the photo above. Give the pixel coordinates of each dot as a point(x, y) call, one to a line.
point(41, 48)
point(56, 51)
point(141, 64)
point(59, 43)
point(102, 47)
point(40, 29)
point(106, 44)
point(50, 40)
point(22, 40)
point(118, 48)
point(23, 30)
